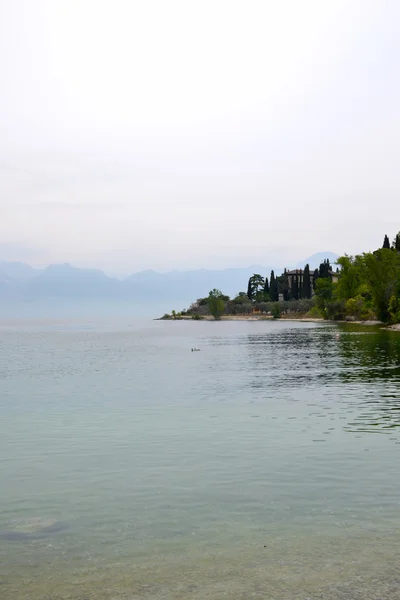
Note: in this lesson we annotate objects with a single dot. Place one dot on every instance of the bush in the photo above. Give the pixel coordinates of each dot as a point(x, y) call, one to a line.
point(315, 313)
point(276, 310)
point(197, 317)
point(359, 309)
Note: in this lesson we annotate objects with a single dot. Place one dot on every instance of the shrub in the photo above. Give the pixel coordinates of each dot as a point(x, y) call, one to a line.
point(276, 310)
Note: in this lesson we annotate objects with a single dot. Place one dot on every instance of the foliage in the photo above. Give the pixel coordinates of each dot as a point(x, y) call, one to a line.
point(325, 269)
point(216, 303)
point(283, 285)
point(367, 286)
point(383, 272)
point(323, 293)
point(396, 243)
point(315, 278)
point(306, 288)
point(295, 288)
point(266, 288)
point(255, 288)
point(276, 310)
point(273, 288)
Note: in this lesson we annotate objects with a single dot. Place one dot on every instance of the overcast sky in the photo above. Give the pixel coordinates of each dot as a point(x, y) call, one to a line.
point(174, 134)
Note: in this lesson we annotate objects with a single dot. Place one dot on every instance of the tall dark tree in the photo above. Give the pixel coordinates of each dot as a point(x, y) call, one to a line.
point(315, 277)
point(397, 242)
point(255, 287)
point(295, 288)
point(273, 288)
point(250, 290)
point(386, 243)
point(325, 269)
point(266, 287)
point(306, 291)
point(283, 285)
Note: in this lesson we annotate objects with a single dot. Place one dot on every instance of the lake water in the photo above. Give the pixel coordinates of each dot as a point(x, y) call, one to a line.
point(267, 465)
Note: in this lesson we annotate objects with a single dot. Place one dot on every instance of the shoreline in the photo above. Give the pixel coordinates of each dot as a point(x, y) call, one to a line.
point(286, 318)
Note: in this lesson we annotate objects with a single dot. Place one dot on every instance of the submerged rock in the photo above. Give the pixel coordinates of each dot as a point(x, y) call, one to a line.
point(31, 528)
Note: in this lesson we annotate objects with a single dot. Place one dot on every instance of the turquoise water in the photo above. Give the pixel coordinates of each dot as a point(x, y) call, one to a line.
point(264, 466)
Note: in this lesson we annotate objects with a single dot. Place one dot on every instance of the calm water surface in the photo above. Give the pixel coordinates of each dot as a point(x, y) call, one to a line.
point(267, 465)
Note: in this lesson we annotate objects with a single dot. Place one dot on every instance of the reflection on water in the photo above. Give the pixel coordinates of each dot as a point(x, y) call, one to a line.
point(372, 358)
point(133, 468)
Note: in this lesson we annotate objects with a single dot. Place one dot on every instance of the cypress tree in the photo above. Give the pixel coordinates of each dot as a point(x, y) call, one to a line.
point(295, 288)
point(306, 282)
point(386, 243)
point(283, 285)
point(324, 269)
point(397, 242)
point(250, 290)
point(266, 287)
point(315, 277)
point(273, 288)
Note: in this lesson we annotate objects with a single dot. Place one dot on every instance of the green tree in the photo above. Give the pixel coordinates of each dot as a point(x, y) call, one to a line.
point(283, 285)
point(250, 290)
point(216, 303)
point(276, 310)
point(315, 277)
point(352, 274)
point(396, 242)
point(325, 269)
point(306, 292)
point(323, 293)
point(386, 243)
point(273, 288)
point(383, 275)
point(266, 289)
point(295, 288)
point(255, 287)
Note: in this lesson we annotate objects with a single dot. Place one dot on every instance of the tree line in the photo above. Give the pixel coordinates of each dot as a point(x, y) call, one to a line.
point(368, 286)
point(363, 287)
point(291, 285)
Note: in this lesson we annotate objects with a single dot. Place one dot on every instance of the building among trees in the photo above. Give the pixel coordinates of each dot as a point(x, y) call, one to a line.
point(301, 281)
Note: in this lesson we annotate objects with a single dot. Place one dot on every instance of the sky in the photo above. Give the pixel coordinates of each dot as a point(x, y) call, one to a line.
point(164, 135)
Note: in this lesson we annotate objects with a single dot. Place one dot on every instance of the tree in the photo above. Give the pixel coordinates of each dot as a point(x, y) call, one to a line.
point(276, 310)
point(315, 277)
point(283, 285)
point(323, 293)
point(386, 243)
point(325, 269)
point(273, 288)
point(383, 275)
point(216, 304)
point(306, 291)
point(396, 243)
point(266, 289)
point(256, 285)
point(352, 274)
point(250, 290)
point(295, 288)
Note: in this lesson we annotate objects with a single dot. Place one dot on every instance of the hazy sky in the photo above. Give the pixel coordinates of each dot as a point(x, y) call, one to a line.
point(174, 134)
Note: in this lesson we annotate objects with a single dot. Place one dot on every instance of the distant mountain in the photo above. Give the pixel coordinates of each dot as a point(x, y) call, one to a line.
point(18, 271)
point(316, 259)
point(68, 286)
point(66, 281)
point(181, 288)
point(5, 279)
